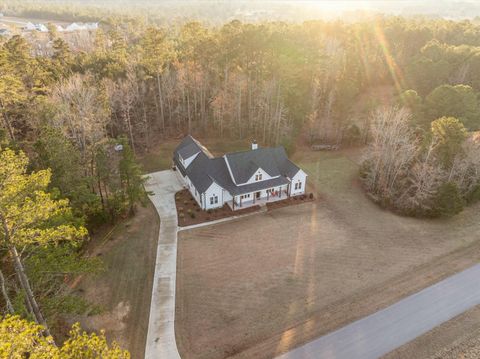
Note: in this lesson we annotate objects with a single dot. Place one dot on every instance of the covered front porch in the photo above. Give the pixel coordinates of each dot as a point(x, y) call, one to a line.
point(258, 198)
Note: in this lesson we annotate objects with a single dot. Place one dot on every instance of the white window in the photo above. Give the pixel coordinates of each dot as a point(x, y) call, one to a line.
point(214, 199)
point(258, 177)
point(298, 185)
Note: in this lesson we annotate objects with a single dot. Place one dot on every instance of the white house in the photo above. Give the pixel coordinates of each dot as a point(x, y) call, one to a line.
point(35, 27)
point(74, 26)
point(239, 179)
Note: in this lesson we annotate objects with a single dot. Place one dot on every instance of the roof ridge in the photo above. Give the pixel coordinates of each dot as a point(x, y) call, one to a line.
point(250, 150)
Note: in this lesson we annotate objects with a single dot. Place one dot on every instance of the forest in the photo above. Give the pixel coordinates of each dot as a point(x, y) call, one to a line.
point(76, 112)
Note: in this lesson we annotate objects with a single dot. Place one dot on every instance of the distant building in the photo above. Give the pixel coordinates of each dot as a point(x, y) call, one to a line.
point(35, 27)
point(4, 32)
point(80, 26)
point(29, 27)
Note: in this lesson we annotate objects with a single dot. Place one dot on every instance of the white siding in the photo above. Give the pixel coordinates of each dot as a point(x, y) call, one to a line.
point(214, 190)
point(226, 196)
point(265, 176)
point(193, 190)
point(300, 177)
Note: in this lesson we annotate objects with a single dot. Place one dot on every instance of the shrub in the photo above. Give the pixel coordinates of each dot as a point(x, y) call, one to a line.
point(448, 201)
point(181, 215)
point(180, 209)
point(474, 195)
point(192, 214)
point(185, 202)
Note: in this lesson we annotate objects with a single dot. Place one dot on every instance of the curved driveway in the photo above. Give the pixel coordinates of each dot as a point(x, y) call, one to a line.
point(388, 329)
point(161, 334)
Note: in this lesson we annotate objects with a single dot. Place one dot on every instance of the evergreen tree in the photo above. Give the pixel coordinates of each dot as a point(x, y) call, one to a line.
point(30, 216)
point(448, 201)
point(131, 177)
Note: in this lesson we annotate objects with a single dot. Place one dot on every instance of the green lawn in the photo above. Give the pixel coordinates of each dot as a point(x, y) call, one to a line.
point(330, 172)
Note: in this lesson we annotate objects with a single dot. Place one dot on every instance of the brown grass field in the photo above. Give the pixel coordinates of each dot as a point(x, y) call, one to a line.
point(459, 338)
point(261, 285)
point(124, 289)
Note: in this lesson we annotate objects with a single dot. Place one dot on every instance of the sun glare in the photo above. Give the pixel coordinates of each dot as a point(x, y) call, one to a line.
point(342, 6)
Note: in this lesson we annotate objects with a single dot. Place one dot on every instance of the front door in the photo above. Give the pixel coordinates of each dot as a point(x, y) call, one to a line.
point(257, 195)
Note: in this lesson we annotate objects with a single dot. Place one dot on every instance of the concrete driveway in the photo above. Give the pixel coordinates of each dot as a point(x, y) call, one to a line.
point(388, 329)
point(161, 333)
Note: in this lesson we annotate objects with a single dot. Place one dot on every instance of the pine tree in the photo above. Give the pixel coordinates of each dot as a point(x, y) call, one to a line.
point(131, 177)
point(30, 216)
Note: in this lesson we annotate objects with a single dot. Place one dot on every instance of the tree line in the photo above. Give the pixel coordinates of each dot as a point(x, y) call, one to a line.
point(73, 118)
point(421, 173)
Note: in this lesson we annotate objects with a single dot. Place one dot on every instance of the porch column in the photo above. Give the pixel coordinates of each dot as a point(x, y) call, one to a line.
point(280, 192)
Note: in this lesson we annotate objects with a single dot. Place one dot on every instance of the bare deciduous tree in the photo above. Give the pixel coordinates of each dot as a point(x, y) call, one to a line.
point(391, 151)
point(81, 112)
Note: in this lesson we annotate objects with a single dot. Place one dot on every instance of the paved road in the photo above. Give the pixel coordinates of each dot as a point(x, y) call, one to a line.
point(386, 330)
point(161, 334)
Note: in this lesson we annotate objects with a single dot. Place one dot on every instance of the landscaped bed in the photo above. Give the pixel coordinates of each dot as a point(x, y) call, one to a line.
point(291, 201)
point(189, 212)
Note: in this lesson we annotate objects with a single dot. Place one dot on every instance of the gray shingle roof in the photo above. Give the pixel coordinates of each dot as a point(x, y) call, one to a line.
point(204, 169)
point(188, 147)
point(274, 161)
point(257, 186)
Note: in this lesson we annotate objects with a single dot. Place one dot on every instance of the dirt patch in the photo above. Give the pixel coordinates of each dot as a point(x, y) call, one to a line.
point(123, 291)
point(264, 284)
point(189, 212)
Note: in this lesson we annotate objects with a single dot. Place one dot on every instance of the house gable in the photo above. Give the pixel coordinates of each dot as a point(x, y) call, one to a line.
point(213, 196)
point(258, 176)
point(298, 182)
